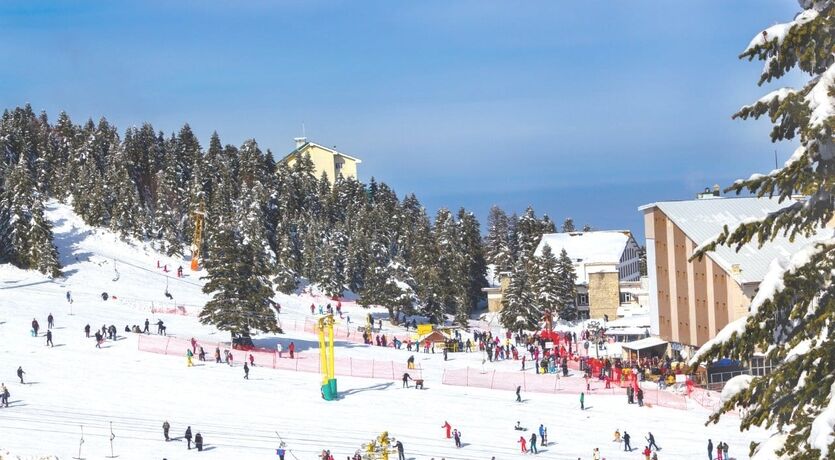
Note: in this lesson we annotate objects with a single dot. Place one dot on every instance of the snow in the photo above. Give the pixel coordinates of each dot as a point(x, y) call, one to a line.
point(735, 386)
point(823, 426)
point(76, 384)
point(820, 101)
point(779, 31)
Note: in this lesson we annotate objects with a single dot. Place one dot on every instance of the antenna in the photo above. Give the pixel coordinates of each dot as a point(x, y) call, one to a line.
point(303, 133)
point(775, 159)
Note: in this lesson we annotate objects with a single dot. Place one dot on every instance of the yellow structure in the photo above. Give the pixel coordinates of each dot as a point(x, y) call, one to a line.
point(325, 160)
point(326, 358)
point(197, 240)
point(380, 448)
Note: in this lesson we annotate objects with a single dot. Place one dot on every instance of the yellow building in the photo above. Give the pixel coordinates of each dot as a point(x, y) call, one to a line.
point(325, 160)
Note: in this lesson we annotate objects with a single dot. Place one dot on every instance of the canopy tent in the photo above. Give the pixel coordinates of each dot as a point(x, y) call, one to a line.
point(647, 345)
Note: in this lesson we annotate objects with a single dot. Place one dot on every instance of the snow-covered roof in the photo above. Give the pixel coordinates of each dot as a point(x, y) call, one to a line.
point(642, 344)
point(703, 220)
point(329, 149)
point(604, 246)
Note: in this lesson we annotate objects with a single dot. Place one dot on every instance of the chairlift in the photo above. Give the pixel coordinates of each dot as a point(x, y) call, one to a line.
point(116, 269)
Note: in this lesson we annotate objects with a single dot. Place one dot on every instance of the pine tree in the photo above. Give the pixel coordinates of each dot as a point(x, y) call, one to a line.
point(519, 310)
point(497, 246)
point(791, 317)
point(568, 225)
point(529, 233)
point(566, 288)
point(545, 285)
point(125, 218)
point(474, 264)
point(286, 277)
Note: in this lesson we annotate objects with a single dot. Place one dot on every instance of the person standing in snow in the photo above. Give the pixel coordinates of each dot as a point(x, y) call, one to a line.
point(457, 436)
point(533, 443)
point(519, 393)
point(165, 428)
point(279, 349)
point(4, 395)
point(147, 323)
point(640, 395)
point(98, 339)
point(193, 345)
point(251, 360)
point(69, 297)
point(49, 338)
point(189, 356)
point(725, 450)
point(709, 449)
point(246, 371)
point(399, 446)
point(595, 455)
point(523, 442)
point(448, 427)
point(20, 373)
point(188, 437)
point(582, 401)
point(87, 331)
point(543, 434)
point(35, 327)
point(292, 349)
point(628, 447)
point(217, 355)
point(406, 378)
point(651, 441)
point(50, 321)
point(198, 442)
point(647, 452)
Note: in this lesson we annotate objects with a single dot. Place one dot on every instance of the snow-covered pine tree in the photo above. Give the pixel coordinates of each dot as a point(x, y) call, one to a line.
point(286, 277)
point(475, 265)
point(125, 212)
point(530, 232)
point(547, 225)
point(167, 214)
point(587, 228)
point(497, 246)
point(451, 263)
point(519, 311)
point(568, 225)
point(791, 317)
point(566, 288)
point(545, 281)
point(333, 263)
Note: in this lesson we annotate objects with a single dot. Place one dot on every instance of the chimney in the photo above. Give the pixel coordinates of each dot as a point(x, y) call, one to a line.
point(716, 190)
point(300, 141)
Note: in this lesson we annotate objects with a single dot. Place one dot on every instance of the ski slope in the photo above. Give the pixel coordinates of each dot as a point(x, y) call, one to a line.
point(75, 384)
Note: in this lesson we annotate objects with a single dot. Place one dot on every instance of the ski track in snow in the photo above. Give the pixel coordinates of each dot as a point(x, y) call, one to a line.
point(76, 384)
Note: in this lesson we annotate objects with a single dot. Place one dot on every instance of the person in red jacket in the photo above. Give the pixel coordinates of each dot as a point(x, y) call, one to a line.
point(448, 428)
point(647, 452)
point(292, 349)
point(524, 444)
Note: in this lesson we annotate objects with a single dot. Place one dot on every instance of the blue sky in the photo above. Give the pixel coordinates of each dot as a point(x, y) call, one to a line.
point(581, 109)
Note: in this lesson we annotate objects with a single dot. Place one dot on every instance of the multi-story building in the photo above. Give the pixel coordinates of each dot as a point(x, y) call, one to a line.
point(607, 264)
point(325, 160)
point(691, 300)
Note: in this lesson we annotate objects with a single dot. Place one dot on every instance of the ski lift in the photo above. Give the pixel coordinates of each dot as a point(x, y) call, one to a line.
point(116, 269)
point(167, 294)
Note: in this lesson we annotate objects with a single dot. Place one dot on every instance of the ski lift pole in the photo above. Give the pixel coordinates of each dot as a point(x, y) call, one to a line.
point(80, 443)
point(112, 437)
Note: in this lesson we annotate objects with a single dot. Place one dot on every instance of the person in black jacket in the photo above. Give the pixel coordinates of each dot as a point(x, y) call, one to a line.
point(165, 428)
point(626, 446)
point(49, 338)
point(20, 373)
point(198, 442)
point(399, 446)
point(188, 437)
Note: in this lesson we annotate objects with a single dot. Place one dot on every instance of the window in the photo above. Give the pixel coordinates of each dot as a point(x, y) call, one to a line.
point(582, 300)
point(625, 297)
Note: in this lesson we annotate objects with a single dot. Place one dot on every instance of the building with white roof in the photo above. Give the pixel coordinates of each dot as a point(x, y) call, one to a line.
point(690, 301)
point(607, 264)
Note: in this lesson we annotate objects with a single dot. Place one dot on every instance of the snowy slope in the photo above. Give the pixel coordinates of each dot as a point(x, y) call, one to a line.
point(75, 384)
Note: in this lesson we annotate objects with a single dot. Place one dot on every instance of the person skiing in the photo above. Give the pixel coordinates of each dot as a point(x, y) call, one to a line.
point(20, 373)
point(445, 426)
point(147, 323)
point(279, 349)
point(69, 297)
point(406, 378)
point(251, 360)
point(4, 395)
point(457, 436)
point(50, 321)
point(98, 339)
point(87, 331)
point(582, 401)
point(543, 434)
point(188, 437)
point(523, 442)
point(410, 363)
point(640, 395)
point(281, 452)
point(519, 393)
point(49, 338)
point(198, 442)
point(246, 371)
point(35, 327)
point(165, 428)
point(651, 441)
point(202, 355)
point(399, 446)
point(292, 349)
point(626, 446)
point(709, 449)
point(533, 443)
point(189, 356)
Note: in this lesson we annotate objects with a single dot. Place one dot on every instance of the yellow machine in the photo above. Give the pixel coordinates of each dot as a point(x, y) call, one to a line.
point(379, 449)
point(326, 358)
point(197, 240)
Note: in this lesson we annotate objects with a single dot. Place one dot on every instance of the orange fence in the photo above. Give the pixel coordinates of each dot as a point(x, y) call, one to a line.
point(303, 362)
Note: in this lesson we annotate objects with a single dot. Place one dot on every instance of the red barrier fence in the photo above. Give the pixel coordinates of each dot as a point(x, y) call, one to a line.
point(552, 383)
point(303, 362)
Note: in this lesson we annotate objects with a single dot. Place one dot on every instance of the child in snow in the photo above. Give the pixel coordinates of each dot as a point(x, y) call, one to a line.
point(523, 442)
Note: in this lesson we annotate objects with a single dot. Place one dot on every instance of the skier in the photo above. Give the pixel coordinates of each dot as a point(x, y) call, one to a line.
point(292, 349)
point(523, 443)
point(198, 442)
point(202, 355)
point(246, 371)
point(640, 395)
point(4, 395)
point(87, 331)
point(50, 321)
point(582, 401)
point(709, 449)
point(193, 345)
point(35, 327)
point(279, 349)
point(165, 428)
point(651, 441)
point(543, 434)
point(445, 426)
point(399, 446)
point(147, 323)
point(533, 443)
point(251, 360)
point(519, 393)
point(410, 363)
point(20, 373)
point(98, 339)
point(188, 437)
point(69, 297)
point(217, 355)
point(49, 338)
point(406, 378)
point(457, 436)
point(626, 446)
